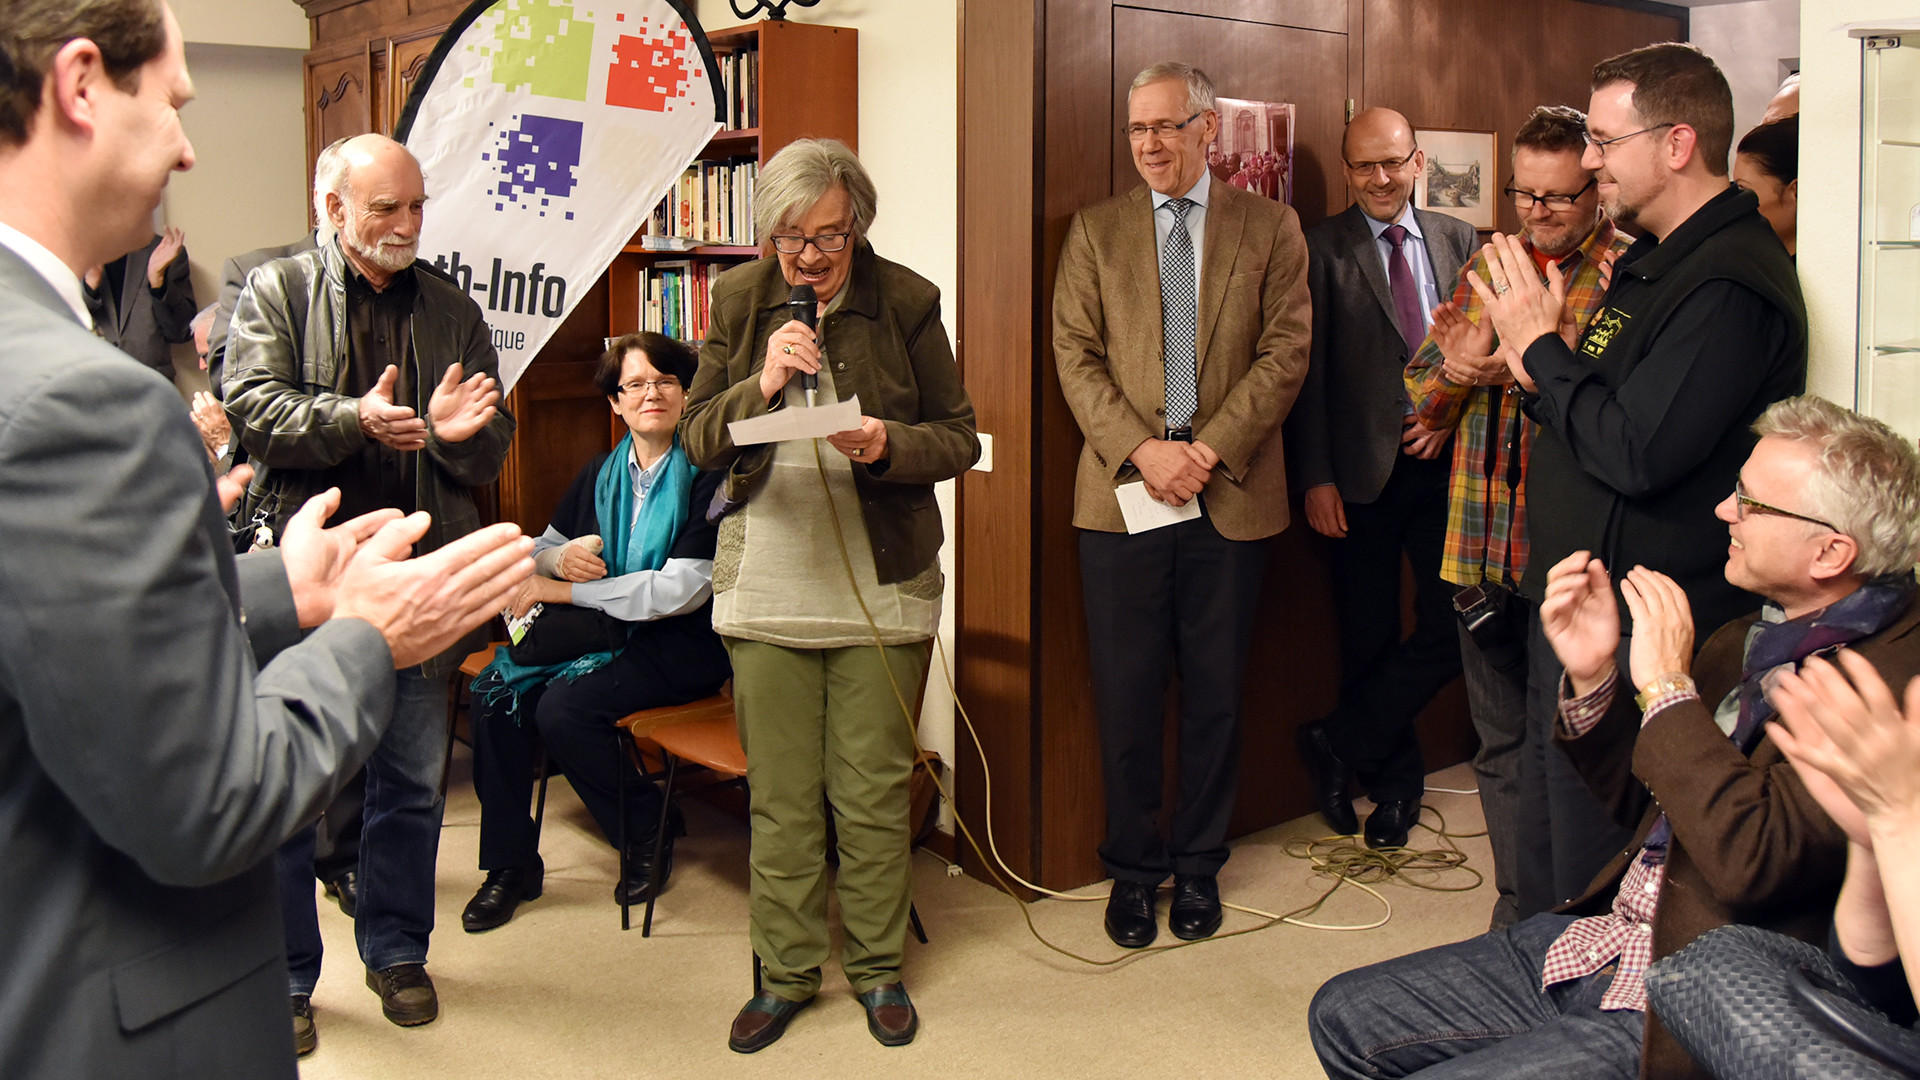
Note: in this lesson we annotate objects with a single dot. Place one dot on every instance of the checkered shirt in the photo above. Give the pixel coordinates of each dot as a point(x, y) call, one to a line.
point(1624, 935)
point(1479, 530)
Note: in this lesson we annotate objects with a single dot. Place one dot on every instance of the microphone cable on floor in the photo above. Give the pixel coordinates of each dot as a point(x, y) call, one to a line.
point(1342, 860)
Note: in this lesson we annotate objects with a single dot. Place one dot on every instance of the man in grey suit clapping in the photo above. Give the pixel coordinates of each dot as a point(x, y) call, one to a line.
point(148, 767)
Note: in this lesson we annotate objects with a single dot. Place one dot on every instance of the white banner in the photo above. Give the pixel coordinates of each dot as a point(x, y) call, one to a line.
point(548, 130)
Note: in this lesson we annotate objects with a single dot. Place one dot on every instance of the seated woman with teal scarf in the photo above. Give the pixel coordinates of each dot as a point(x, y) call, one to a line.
point(630, 540)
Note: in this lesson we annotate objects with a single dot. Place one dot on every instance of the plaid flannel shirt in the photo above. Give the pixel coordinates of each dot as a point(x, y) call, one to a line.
point(1626, 933)
point(1479, 528)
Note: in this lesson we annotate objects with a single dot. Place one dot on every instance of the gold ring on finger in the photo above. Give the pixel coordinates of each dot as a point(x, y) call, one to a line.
point(788, 349)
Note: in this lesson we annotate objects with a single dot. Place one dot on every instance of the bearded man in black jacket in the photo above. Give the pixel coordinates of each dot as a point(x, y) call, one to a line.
point(1645, 414)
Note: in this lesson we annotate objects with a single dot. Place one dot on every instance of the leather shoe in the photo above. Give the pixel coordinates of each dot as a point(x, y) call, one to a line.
point(1390, 822)
point(305, 1035)
point(1130, 914)
point(762, 1021)
point(891, 1018)
point(1330, 778)
point(503, 891)
point(344, 887)
point(638, 884)
point(1195, 912)
point(406, 994)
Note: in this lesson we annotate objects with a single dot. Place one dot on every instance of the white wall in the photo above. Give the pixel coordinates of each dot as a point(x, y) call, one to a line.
point(274, 24)
point(909, 143)
point(1829, 230)
point(1748, 41)
point(248, 186)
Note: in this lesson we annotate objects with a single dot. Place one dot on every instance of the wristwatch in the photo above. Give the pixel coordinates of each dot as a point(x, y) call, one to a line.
point(1673, 682)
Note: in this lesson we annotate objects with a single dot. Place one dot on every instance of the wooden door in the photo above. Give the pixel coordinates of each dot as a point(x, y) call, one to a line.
point(1255, 60)
point(340, 97)
point(406, 59)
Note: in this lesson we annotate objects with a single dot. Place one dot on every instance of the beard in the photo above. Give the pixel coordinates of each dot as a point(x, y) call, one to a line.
point(384, 252)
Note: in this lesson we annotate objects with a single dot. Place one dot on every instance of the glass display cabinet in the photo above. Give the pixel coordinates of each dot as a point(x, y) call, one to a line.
point(1888, 380)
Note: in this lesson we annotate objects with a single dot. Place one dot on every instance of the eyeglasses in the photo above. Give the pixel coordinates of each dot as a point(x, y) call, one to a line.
point(663, 387)
point(828, 243)
point(1166, 129)
point(1742, 502)
point(1602, 144)
point(1523, 200)
point(1392, 165)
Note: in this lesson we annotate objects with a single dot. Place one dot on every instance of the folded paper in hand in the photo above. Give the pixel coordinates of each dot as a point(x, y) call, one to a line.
point(1143, 512)
point(797, 422)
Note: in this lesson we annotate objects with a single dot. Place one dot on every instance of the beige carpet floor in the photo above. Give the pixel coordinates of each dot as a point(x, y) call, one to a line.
point(562, 992)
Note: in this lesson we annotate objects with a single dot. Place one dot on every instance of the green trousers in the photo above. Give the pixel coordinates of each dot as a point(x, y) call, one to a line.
point(823, 725)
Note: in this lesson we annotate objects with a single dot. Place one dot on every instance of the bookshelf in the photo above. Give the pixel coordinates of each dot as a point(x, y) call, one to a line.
point(802, 81)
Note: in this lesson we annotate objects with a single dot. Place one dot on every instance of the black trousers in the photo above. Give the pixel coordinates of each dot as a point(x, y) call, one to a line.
point(1385, 681)
point(1179, 598)
point(1564, 835)
point(575, 722)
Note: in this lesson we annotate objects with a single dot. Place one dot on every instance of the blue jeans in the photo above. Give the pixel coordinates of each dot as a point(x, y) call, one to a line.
point(1474, 1009)
point(399, 843)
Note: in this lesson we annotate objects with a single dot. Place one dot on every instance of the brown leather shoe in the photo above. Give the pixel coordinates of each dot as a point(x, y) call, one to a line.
point(305, 1035)
point(890, 1014)
point(762, 1021)
point(406, 994)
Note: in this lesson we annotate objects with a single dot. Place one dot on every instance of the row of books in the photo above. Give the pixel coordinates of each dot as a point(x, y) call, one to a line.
point(740, 75)
point(711, 203)
point(674, 296)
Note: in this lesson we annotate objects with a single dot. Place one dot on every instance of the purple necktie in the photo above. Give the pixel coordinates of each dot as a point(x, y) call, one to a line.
point(1406, 295)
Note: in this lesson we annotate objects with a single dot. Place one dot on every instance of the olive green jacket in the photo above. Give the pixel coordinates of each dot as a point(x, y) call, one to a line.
point(886, 344)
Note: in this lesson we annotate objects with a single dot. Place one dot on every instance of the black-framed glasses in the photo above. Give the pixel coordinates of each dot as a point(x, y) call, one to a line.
point(639, 388)
point(1523, 200)
point(1602, 144)
point(1166, 129)
point(1743, 502)
point(826, 242)
point(1392, 165)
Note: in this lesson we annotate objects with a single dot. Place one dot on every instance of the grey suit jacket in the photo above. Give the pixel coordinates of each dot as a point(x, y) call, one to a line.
point(233, 278)
point(1346, 428)
point(145, 326)
point(147, 770)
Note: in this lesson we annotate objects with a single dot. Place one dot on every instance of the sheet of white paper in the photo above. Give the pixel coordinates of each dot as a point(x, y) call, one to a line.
point(797, 422)
point(1143, 512)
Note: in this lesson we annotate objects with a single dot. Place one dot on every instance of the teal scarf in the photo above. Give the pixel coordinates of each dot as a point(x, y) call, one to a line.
point(627, 550)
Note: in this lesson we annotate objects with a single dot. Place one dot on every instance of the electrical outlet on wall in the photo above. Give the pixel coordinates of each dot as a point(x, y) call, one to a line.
point(985, 464)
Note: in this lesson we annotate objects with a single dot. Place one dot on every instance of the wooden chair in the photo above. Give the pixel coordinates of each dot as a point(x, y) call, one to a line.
point(710, 741)
point(470, 669)
point(641, 728)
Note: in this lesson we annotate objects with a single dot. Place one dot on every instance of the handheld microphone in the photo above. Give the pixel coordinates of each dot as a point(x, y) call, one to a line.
point(803, 306)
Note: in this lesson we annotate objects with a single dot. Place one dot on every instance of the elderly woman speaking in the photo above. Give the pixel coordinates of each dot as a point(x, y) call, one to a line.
point(827, 578)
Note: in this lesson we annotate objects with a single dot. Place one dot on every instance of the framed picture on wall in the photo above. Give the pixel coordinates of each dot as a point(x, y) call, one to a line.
point(1254, 149)
point(1462, 177)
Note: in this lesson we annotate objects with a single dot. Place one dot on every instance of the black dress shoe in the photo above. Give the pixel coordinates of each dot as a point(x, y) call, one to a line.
point(503, 891)
point(344, 887)
point(305, 1035)
point(406, 994)
point(1130, 914)
point(762, 1021)
point(638, 884)
point(1390, 822)
point(1330, 778)
point(1195, 912)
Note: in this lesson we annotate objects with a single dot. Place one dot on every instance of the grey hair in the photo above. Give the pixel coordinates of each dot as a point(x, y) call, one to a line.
point(1866, 480)
point(1199, 87)
point(329, 178)
point(203, 317)
point(800, 175)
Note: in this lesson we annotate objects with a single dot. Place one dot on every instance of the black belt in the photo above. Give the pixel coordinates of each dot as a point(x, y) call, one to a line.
point(1180, 434)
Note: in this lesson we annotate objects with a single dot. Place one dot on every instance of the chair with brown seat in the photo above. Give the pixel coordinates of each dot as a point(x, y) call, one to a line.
point(640, 728)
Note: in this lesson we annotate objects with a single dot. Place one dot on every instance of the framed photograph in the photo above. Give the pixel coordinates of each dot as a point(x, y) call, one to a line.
point(1462, 177)
point(1254, 149)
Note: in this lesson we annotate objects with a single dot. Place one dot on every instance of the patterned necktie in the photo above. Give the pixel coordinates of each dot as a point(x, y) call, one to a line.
point(1179, 318)
point(1406, 295)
